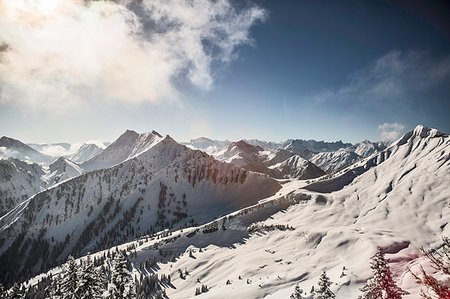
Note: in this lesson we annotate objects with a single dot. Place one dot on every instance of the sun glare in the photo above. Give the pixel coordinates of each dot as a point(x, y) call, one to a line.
point(38, 8)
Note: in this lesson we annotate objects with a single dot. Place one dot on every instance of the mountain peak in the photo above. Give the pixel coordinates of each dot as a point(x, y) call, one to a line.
point(11, 142)
point(423, 132)
point(129, 133)
point(156, 133)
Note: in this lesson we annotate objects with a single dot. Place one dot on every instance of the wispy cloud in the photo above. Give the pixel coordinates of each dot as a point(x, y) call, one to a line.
point(391, 77)
point(58, 54)
point(390, 131)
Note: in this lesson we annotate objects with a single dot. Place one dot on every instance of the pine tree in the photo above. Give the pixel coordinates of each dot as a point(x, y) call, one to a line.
point(121, 278)
point(298, 293)
point(2, 291)
point(91, 281)
point(324, 291)
point(15, 292)
point(54, 289)
point(382, 284)
point(440, 260)
point(69, 282)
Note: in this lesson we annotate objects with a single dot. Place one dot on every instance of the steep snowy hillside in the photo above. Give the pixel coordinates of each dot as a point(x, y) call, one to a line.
point(209, 146)
point(62, 169)
point(129, 144)
point(398, 200)
point(166, 185)
point(281, 164)
point(308, 148)
point(85, 152)
point(297, 167)
point(334, 161)
point(367, 148)
point(331, 162)
point(13, 148)
point(245, 155)
point(18, 181)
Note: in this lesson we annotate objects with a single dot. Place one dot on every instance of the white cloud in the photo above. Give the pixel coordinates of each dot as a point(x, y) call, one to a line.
point(394, 76)
point(60, 54)
point(390, 131)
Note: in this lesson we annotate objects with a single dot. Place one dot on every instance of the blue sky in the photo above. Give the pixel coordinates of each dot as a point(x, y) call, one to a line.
point(273, 70)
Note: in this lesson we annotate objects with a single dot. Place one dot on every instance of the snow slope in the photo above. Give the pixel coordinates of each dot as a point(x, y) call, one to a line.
point(12, 148)
point(18, 181)
point(398, 199)
point(334, 161)
point(85, 152)
point(165, 185)
point(62, 169)
point(129, 144)
point(308, 148)
point(280, 164)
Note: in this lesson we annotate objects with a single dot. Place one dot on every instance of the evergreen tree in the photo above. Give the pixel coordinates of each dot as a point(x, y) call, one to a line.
point(440, 260)
point(91, 281)
point(121, 278)
point(69, 282)
point(298, 293)
point(382, 284)
point(2, 291)
point(54, 289)
point(15, 292)
point(324, 291)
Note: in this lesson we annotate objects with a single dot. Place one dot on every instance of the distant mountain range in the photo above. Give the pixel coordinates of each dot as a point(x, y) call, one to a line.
point(250, 219)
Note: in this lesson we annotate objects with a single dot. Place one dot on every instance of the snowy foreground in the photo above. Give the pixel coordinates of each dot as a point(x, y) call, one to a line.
point(397, 199)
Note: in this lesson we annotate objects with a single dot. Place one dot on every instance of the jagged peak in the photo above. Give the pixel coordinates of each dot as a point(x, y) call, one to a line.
point(423, 132)
point(8, 141)
point(129, 133)
point(419, 131)
point(244, 146)
point(89, 145)
point(156, 133)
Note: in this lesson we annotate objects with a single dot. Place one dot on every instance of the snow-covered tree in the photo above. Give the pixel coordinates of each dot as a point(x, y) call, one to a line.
point(121, 278)
point(298, 293)
point(91, 281)
point(69, 282)
point(440, 260)
point(2, 291)
point(15, 292)
point(54, 289)
point(382, 285)
point(324, 291)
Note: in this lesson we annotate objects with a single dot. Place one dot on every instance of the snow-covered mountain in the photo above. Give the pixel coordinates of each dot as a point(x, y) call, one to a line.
point(367, 148)
point(245, 155)
point(296, 167)
point(129, 144)
point(334, 161)
point(12, 148)
point(280, 164)
point(308, 148)
point(85, 152)
point(62, 169)
point(397, 199)
point(18, 181)
point(161, 184)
